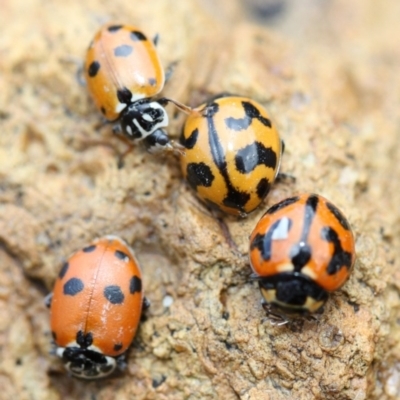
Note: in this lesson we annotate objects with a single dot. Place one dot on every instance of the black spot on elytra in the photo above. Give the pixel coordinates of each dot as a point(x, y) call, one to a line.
point(264, 242)
point(340, 258)
point(135, 285)
point(124, 95)
point(249, 157)
point(54, 335)
point(89, 249)
point(63, 270)
point(114, 28)
point(113, 294)
point(312, 202)
point(258, 243)
point(251, 112)
point(117, 346)
point(282, 204)
point(309, 214)
point(93, 69)
point(121, 255)
point(211, 109)
point(199, 174)
point(123, 51)
point(263, 188)
point(84, 340)
point(191, 141)
point(103, 110)
point(339, 216)
point(73, 286)
point(137, 35)
point(152, 81)
point(300, 254)
point(236, 199)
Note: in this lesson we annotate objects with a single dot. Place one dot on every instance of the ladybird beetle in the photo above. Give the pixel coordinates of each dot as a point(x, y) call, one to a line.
point(95, 307)
point(232, 153)
point(301, 249)
point(123, 73)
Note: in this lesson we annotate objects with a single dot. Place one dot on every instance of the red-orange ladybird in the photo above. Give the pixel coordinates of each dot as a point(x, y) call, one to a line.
point(301, 249)
point(95, 307)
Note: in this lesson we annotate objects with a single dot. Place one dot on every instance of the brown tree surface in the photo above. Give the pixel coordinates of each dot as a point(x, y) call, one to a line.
point(328, 72)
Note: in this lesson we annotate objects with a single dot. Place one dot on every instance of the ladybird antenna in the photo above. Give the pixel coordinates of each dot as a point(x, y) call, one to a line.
point(186, 109)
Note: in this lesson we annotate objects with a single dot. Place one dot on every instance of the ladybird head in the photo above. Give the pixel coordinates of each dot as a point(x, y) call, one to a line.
point(143, 118)
point(86, 363)
point(84, 360)
point(293, 293)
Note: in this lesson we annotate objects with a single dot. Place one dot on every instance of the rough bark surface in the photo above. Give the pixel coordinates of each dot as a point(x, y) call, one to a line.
point(328, 72)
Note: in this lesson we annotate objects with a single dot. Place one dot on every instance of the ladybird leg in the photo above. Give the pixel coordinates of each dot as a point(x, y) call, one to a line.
point(283, 176)
point(146, 304)
point(225, 231)
point(282, 147)
point(80, 76)
point(117, 130)
point(178, 148)
point(316, 316)
point(53, 349)
point(121, 362)
point(275, 318)
point(156, 39)
point(101, 124)
point(170, 70)
point(121, 157)
point(47, 300)
point(85, 142)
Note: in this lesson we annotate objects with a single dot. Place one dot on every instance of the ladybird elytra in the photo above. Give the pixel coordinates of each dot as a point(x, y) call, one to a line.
point(232, 153)
point(122, 66)
point(96, 307)
point(301, 250)
point(124, 76)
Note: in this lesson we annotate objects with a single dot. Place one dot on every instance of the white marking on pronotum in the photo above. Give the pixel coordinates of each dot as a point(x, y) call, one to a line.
point(119, 107)
point(161, 124)
point(129, 130)
point(137, 96)
point(142, 131)
point(281, 231)
point(147, 117)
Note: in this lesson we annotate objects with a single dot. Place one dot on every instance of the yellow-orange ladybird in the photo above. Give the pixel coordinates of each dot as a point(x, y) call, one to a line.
point(232, 153)
point(123, 73)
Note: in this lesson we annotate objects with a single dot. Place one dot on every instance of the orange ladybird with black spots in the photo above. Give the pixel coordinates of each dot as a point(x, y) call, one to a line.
point(232, 153)
point(123, 73)
point(301, 250)
point(95, 307)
